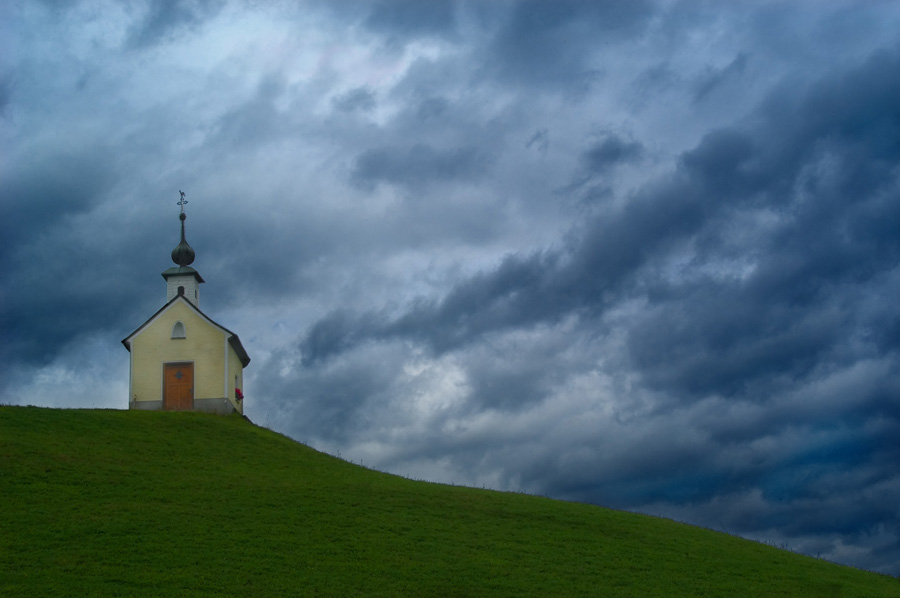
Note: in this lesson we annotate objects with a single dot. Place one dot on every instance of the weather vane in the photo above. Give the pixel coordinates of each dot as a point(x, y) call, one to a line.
point(182, 201)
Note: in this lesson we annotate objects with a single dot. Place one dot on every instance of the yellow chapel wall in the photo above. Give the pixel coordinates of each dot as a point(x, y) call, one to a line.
point(203, 345)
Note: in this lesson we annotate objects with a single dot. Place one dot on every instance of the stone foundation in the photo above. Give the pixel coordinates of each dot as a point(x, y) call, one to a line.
point(220, 406)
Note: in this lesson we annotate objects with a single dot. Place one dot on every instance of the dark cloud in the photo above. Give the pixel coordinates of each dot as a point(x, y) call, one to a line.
point(40, 322)
point(653, 81)
point(165, 19)
point(599, 161)
point(48, 187)
point(361, 98)
point(258, 120)
point(727, 176)
point(713, 78)
point(333, 334)
point(612, 150)
point(540, 140)
point(554, 43)
point(6, 91)
point(418, 164)
point(405, 19)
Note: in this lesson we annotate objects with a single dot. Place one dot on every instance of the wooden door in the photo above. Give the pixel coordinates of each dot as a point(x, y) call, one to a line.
point(178, 386)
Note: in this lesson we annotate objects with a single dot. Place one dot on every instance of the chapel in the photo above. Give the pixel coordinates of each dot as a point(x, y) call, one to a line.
point(182, 360)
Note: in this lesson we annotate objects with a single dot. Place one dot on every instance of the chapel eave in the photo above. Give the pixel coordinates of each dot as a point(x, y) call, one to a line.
point(182, 271)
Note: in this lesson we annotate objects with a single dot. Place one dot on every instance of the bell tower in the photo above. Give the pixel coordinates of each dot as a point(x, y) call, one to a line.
point(181, 279)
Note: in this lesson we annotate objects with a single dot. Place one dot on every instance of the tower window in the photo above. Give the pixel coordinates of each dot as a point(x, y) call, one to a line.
point(178, 330)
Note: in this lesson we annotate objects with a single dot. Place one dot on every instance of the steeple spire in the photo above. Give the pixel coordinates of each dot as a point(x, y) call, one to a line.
point(181, 279)
point(183, 254)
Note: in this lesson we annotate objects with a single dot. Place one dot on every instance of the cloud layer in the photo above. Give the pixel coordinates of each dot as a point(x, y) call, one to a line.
point(642, 254)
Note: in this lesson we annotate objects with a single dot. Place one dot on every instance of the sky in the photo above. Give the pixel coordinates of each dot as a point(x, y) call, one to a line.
point(640, 254)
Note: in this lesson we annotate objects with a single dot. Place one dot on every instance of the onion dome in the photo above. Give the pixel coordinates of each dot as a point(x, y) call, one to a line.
point(183, 254)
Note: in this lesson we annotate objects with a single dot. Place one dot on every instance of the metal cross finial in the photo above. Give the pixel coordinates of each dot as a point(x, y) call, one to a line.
point(182, 201)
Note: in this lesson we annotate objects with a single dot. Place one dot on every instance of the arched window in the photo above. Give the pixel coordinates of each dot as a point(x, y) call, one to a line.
point(178, 330)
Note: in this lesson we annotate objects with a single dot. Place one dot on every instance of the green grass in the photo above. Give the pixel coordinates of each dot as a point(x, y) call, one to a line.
point(131, 503)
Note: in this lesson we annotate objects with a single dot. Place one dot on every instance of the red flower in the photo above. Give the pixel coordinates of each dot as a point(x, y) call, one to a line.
point(238, 394)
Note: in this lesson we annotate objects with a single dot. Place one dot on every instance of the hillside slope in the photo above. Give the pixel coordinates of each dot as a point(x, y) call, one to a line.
point(126, 503)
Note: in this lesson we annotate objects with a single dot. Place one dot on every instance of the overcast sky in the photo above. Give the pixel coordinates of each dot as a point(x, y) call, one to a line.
point(639, 254)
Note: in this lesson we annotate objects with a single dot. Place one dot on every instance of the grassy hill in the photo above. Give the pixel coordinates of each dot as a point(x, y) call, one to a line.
point(127, 503)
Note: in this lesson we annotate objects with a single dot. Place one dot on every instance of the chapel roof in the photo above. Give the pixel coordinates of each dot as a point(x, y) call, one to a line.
point(233, 339)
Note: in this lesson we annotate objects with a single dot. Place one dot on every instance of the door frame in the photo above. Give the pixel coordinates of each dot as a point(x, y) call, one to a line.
point(165, 366)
